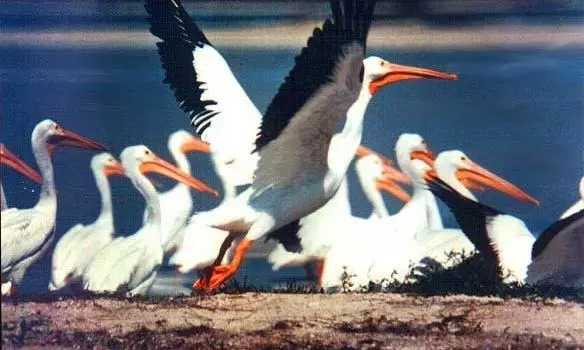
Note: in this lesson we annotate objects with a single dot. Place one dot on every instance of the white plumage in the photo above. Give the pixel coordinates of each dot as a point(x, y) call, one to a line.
point(130, 264)
point(28, 233)
point(77, 247)
point(176, 204)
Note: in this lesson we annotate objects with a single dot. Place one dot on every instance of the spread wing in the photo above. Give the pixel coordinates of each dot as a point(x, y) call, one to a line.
point(315, 64)
point(216, 104)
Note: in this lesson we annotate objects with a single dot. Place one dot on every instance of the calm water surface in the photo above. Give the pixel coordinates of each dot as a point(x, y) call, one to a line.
point(519, 113)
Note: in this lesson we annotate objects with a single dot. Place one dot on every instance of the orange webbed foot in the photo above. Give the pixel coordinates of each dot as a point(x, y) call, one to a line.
point(220, 275)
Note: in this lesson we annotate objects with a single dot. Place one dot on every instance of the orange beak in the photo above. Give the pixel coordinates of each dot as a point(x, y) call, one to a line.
point(114, 169)
point(481, 176)
point(472, 185)
point(426, 156)
point(430, 175)
point(65, 137)
point(162, 167)
point(399, 73)
point(389, 170)
point(195, 145)
point(385, 183)
point(10, 159)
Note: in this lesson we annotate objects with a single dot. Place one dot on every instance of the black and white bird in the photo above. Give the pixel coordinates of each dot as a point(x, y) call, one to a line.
point(295, 157)
point(556, 257)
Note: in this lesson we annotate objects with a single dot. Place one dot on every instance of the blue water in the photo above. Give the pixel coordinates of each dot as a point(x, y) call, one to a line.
point(517, 112)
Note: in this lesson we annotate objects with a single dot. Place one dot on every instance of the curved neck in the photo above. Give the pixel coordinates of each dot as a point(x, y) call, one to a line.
point(374, 196)
point(421, 194)
point(43, 159)
point(181, 160)
point(102, 183)
point(379, 208)
point(344, 144)
point(153, 220)
point(182, 163)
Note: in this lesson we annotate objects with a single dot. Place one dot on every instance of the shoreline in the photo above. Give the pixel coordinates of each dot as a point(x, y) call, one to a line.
point(293, 35)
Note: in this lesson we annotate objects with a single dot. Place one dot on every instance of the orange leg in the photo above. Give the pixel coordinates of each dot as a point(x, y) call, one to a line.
point(221, 273)
point(319, 270)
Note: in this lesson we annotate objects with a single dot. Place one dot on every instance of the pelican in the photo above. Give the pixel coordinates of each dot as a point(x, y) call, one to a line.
point(176, 204)
point(322, 229)
point(28, 233)
point(302, 159)
point(74, 251)
point(503, 239)
point(130, 264)
point(555, 258)
point(10, 159)
point(394, 248)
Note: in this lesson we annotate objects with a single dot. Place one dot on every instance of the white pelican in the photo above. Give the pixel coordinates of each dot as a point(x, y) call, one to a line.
point(555, 258)
point(503, 239)
point(176, 204)
point(394, 248)
point(302, 159)
point(579, 205)
point(77, 247)
point(323, 228)
point(10, 159)
point(130, 264)
point(28, 233)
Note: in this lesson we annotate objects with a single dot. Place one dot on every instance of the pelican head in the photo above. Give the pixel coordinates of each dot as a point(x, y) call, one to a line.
point(140, 160)
point(106, 163)
point(185, 142)
point(378, 73)
point(471, 175)
point(376, 171)
point(413, 155)
point(51, 134)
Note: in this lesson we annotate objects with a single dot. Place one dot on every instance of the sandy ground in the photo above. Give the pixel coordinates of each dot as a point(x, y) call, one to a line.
point(283, 321)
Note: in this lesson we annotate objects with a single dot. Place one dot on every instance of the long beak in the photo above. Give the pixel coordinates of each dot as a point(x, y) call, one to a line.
point(195, 145)
point(363, 151)
point(10, 159)
point(69, 138)
point(482, 176)
point(425, 156)
point(399, 73)
point(388, 170)
point(392, 173)
point(162, 167)
point(386, 184)
point(114, 169)
point(472, 185)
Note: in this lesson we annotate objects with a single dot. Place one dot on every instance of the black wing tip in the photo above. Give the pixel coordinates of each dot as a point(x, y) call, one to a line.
point(170, 21)
point(315, 64)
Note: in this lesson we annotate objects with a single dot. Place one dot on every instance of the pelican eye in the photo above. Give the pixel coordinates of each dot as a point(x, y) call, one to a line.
point(463, 158)
point(382, 63)
point(146, 152)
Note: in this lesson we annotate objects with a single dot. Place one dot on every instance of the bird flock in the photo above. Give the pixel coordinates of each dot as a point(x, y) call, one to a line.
point(292, 163)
